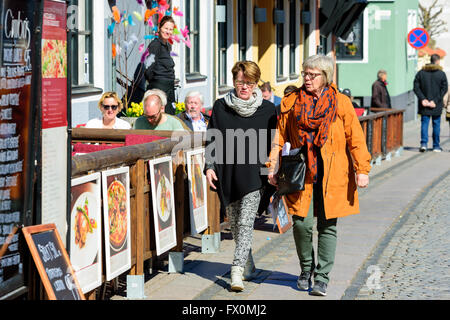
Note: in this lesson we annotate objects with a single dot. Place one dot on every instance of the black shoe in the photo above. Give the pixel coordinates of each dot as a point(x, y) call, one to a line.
point(304, 281)
point(319, 289)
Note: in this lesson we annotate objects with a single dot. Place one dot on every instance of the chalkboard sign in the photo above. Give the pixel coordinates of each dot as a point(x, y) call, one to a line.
point(52, 262)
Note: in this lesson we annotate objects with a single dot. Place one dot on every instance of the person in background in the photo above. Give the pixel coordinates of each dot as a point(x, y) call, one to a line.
point(239, 180)
point(110, 105)
point(160, 72)
point(267, 94)
point(154, 117)
point(289, 89)
point(380, 93)
point(430, 86)
point(193, 116)
point(321, 121)
point(359, 111)
point(447, 107)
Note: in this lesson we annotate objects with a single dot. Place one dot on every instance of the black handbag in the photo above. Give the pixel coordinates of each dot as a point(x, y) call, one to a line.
point(291, 175)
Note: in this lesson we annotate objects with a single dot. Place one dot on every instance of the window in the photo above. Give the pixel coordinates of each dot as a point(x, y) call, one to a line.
point(81, 45)
point(242, 29)
point(292, 38)
point(279, 42)
point(193, 22)
point(222, 41)
point(352, 47)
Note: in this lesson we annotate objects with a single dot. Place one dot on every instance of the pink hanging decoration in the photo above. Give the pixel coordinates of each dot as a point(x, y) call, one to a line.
point(187, 42)
point(141, 47)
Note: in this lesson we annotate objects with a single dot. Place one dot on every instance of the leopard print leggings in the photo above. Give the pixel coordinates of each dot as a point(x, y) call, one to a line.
point(242, 215)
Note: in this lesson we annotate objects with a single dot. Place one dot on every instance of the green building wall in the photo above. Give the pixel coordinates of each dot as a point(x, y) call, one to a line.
point(387, 49)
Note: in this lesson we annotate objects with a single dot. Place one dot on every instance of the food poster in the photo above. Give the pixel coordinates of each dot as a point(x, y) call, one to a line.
point(197, 190)
point(85, 231)
point(161, 176)
point(53, 73)
point(117, 223)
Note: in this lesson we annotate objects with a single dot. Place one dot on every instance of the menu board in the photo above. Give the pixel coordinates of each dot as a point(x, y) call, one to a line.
point(54, 115)
point(53, 263)
point(16, 129)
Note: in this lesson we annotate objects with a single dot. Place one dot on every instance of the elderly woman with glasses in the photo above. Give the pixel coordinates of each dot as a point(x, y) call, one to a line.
point(110, 105)
point(322, 123)
point(237, 147)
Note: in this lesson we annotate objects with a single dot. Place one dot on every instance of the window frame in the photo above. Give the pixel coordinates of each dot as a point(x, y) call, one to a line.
point(365, 41)
point(74, 38)
point(193, 72)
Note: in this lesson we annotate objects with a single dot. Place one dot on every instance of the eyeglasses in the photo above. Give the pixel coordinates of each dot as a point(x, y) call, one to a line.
point(311, 76)
point(153, 117)
point(241, 83)
point(113, 107)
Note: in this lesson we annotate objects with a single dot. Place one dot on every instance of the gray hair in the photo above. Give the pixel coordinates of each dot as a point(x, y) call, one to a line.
point(156, 92)
point(194, 94)
point(381, 72)
point(323, 63)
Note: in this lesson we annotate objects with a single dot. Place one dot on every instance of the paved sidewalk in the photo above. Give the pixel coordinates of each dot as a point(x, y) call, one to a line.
point(394, 185)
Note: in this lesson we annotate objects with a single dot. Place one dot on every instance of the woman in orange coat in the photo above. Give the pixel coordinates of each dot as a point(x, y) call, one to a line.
point(323, 120)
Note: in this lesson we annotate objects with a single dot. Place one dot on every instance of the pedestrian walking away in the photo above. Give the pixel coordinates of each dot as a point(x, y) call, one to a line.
point(322, 121)
point(160, 72)
point(380, 93)
point(239, 180)
point(430, 86)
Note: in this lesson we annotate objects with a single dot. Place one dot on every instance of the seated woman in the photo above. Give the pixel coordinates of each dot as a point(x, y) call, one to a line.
point(110, 105)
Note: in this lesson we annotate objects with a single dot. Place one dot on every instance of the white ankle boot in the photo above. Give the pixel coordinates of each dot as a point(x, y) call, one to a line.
point(236, 278)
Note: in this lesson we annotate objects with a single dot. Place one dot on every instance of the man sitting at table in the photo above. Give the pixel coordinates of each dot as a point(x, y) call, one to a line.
point(154, 117)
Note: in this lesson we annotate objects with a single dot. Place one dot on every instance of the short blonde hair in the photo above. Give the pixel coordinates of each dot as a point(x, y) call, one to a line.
point(156, 92)
point(110, 94)
point(249, 68)
point(323, 63)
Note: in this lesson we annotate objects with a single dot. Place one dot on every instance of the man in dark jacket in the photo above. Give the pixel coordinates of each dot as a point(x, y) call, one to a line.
point(380, 94)
point(193, 117)
point(430, 86)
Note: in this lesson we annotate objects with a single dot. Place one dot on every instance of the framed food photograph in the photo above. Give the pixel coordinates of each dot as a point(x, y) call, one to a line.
point(85, 231)
point(116, 219)
point(163, 203)
point(279, 211)
point(195, 161)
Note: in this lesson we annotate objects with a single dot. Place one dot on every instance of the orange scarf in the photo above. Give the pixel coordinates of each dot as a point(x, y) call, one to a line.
point(314, 117)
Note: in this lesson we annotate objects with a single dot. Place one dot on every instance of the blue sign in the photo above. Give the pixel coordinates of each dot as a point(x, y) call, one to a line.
point(418, 38)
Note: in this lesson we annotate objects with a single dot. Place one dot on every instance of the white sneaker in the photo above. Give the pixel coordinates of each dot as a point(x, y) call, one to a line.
point(236, 278)
point(437, 150)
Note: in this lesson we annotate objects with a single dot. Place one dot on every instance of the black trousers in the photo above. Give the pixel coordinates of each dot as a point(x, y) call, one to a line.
point(168, 86)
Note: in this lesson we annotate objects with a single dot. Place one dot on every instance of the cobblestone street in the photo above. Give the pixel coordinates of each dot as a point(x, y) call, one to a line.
point(415, 264)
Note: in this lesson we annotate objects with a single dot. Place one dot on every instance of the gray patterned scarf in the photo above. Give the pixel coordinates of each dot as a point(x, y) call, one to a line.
point(245, 108)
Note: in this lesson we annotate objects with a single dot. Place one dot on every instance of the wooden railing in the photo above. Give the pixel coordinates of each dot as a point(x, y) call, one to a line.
point(143, 244)
point(384, 131)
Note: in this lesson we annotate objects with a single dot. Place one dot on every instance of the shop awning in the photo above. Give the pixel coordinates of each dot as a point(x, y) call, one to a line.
point(339, 16)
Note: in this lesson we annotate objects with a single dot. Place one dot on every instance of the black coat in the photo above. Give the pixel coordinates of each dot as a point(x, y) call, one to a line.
point(430, 83)
point(235, 180)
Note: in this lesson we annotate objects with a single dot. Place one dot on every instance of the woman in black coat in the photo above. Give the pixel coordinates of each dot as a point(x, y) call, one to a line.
point(237, 147)
point(160, 72)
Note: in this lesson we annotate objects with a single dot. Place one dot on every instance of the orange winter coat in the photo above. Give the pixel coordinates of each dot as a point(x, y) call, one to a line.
point(344, 154)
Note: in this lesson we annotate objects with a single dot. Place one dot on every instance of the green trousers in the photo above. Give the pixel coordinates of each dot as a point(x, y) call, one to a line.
point(303, 236)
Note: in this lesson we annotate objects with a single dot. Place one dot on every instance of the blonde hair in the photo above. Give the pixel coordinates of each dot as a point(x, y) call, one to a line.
point(110, 94)
point(250, 70)
point(156, 92)
point(323, 63)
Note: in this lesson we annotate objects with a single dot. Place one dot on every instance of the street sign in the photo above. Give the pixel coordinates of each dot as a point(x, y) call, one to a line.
point(418, 38)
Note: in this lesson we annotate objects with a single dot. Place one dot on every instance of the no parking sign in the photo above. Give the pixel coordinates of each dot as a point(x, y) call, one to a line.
point(418, 38)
